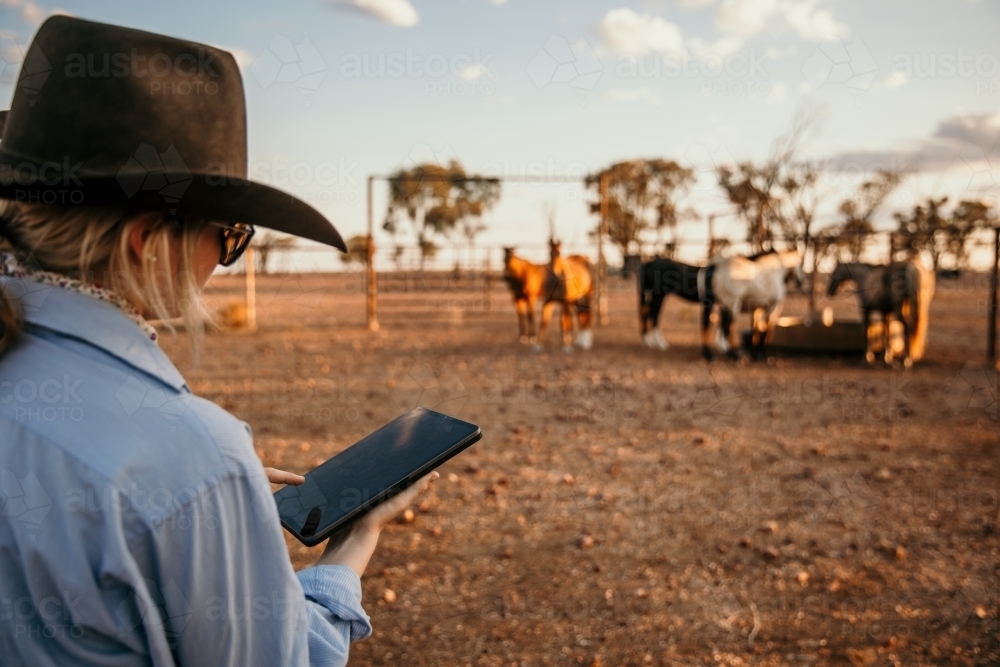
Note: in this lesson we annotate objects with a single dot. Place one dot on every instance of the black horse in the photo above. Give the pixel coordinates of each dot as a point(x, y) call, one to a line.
point(901, 291)
point(660, 277)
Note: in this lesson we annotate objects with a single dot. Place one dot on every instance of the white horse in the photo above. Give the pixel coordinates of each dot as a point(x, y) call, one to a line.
point(747, 284)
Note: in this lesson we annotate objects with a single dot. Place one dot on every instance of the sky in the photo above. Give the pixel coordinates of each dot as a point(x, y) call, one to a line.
point(338, 90)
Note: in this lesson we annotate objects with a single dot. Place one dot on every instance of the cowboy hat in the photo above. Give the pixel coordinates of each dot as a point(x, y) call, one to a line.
point(109, 116)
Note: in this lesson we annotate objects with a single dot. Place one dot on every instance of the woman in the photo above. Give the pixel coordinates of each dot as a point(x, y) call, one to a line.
point(137, 524)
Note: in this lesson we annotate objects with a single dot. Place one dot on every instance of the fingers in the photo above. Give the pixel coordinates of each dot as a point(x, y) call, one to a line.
point(276, 476)
point(385, 512)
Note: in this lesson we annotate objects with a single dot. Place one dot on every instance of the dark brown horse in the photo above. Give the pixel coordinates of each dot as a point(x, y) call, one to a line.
point(564, 280)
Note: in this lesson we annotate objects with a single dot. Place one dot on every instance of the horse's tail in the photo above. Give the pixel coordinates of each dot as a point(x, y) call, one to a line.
point(920, 292)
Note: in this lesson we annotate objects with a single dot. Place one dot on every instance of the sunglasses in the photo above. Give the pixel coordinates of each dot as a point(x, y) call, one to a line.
point(234, 238)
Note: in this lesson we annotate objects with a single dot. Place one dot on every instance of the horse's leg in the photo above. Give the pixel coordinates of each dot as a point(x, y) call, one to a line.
point(567, 326)
point(706, 321)
point(584, 337)
point(869, 337)
point(532, 329)
point(521, 305)
point(544, 326)
point(733, 347)
point(653, 338)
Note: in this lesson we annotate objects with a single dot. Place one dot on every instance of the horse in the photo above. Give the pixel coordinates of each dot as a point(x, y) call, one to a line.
point(900, 291)
point(657, 279)
point(756, 284)
point(565, 280)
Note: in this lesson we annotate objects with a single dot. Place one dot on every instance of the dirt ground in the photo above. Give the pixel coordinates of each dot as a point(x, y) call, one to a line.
point(637, 507)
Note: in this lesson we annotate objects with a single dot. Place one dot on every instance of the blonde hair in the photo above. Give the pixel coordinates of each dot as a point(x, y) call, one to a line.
point(77, 240)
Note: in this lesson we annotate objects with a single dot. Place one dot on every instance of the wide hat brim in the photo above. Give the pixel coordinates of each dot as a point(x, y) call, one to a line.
point(204, 196)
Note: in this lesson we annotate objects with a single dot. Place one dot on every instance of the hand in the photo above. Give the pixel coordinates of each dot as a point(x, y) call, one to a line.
point(357, 544)
point(276, 476)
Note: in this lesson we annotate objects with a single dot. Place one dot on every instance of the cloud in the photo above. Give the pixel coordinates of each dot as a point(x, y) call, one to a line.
point(804, 17)
point(394, 12)
point(242, 57)
point(895, 80)
point(499, 2)
point(473, 72)
point(634, 95)
point(29, 11)
point(627, 32)
point(968, 138)
point(778, 94)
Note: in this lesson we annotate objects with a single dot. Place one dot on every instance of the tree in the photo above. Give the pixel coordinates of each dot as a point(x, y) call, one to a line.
point(929, 229)
point(435, 199)
point(357, 250)
point(642, 194)
point(266, 243)
point(848, 239)
point(779, 195)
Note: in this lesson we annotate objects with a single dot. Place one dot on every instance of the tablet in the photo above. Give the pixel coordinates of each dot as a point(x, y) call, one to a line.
point(371, 471)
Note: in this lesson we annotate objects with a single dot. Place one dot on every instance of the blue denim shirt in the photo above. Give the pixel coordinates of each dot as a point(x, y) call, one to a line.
point(137, 525)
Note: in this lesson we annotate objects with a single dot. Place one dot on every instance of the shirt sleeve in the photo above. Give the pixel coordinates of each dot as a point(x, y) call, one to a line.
point(226, 593)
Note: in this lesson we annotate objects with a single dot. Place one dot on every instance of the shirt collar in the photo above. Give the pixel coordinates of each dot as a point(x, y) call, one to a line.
point(92, 321)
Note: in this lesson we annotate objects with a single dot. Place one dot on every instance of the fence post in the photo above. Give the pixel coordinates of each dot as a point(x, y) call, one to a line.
point(602, 268)
point(372, 279)
point(488, 301)
point(250, 273)
point(991, 351)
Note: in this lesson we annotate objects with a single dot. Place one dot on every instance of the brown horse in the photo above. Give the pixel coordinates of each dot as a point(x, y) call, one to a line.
point(565, 280)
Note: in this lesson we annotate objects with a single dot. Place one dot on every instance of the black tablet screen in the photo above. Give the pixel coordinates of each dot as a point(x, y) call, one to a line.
point(387, 458)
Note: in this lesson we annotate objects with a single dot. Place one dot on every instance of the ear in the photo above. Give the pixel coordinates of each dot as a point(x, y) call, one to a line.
point(138, 233)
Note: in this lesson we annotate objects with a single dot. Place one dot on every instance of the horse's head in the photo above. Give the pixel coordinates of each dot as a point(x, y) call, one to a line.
point(841, 274)
point(555, 248)
point(508, 255)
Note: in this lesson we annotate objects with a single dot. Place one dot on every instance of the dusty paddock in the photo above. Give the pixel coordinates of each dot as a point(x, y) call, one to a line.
point(631, 507)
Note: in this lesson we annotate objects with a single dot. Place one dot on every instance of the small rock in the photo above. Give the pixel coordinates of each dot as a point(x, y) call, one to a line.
point(452, 477)
point(883, 474)
point(745, 542)
point(769, 553)
point(769, 527)
point(435, 531)
point(586, 541)
point(408, 515)
point(508, 553)
point(802, 577)
point(389, 595)
point(424, 507)
point(304, 447)
point(472, 468)
point(900, 552)
point(568, 478)
point(641, 593)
